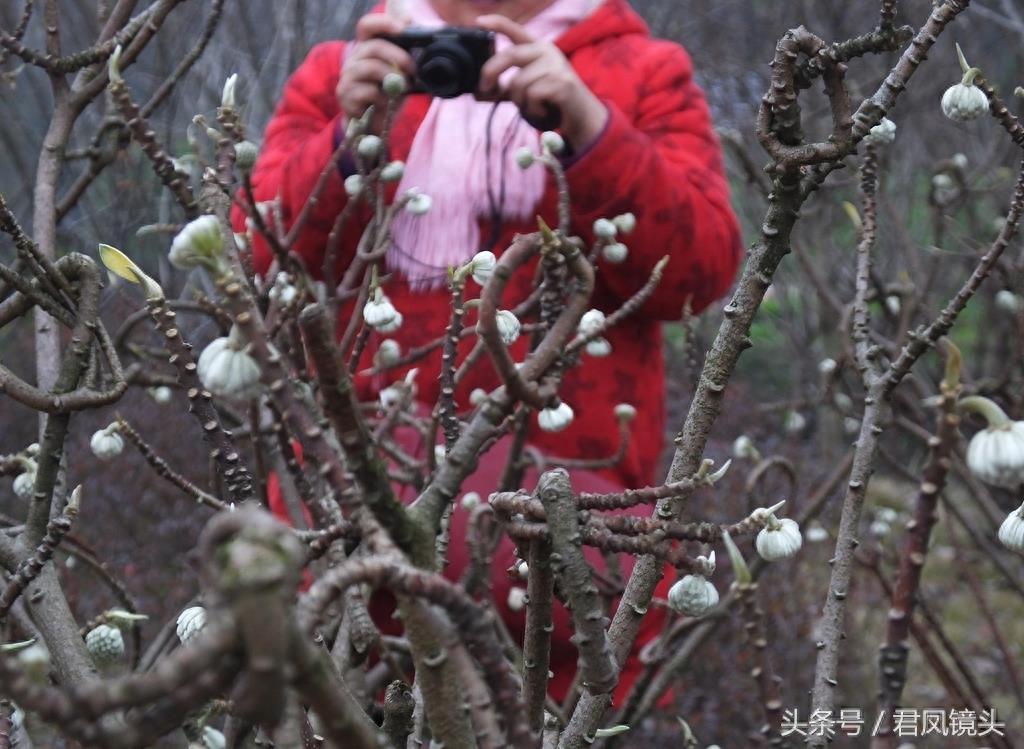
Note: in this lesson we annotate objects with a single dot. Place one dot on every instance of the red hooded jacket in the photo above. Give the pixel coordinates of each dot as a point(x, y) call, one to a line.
point(658, 158)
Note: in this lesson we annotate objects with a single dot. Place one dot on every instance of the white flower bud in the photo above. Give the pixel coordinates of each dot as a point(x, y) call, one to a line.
point(394, 85)
point(470, 501)
point(477, 397)
point(598, 348)
point(552, 141)
point(816, 533)
point(959, 161)
point(439, 454)
point(283, 291)
point(591, 322)
point(996, 454)
point(1011, 532)
point(1009, 302)
point(522, 570)
point(794, 422)
point(517, 599)
point(107, 443)
point(227, 97)
point(199, 243)
point(964, 102)
point(484, 264)
point(851, 425)
point(392, 171)
point(779, 539)
point(605, 229)
point(419, 203)
point(525, 158)
point(378, 310)
point(213, 739)
point(25, 483)
point(35, 659)
point(190, 622)
point(694, 595)
point(615, 253)
point(941, 182)
point(105, 644)
point(881, 134)
point(555, 419)
point(743, 447)
point(391, 327)
point(227, 370)
point(161, 394)
point(508, 326)
point(245, 155)
point(842, 401)
point(880, 528)
point(625, 412)
point(625, 222)
point(390, 397)
point(354, 184)
point(827, 367)
point(388, 353)
point(369, 147)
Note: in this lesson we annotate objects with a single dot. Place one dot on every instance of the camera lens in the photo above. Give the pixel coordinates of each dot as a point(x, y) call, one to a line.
point(446, 70)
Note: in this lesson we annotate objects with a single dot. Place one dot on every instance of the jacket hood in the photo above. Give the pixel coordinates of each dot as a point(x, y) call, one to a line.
point(610, 19)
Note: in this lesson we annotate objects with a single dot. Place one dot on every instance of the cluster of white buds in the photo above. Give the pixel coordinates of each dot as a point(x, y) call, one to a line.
point(1011, 532)
point(379, 312)
point(107, 443)
point(508, 326)
point(418, 203)
point(517, 599)
point(779, 539)
point(369, 147)
point(105, 644)
point(394, 84)
point(226, 369)
point(283, 291)
point(964, 101)
point(556, 418)
point(200, 243)
point(881, 134)
point(393, 171)
point(470, 501)
point(694, 594)
point(482, 266)
point(996, 453)
point(190, 622)
point(162, 394)
point(552, 142)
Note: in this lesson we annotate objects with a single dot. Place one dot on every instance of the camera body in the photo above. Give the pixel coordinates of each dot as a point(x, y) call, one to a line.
point(448, 60)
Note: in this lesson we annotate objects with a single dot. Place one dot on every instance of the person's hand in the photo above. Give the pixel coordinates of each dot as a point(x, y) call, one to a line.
point(368, 63)
point(545, 81)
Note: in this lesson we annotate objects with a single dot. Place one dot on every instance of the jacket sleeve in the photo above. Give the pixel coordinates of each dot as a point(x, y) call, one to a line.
point(664, 165)
point(298, 144)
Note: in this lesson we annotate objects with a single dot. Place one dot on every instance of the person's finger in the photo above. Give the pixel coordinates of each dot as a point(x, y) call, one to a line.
point(539, 101)
point(389, 53)
point(504, 25)
point(377, 24)
point(519, 87)
point(367, 70)
point(513, 57)
point(358, 98)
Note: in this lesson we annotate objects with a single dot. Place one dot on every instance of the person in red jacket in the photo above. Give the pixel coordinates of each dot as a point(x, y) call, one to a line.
point(639, 140)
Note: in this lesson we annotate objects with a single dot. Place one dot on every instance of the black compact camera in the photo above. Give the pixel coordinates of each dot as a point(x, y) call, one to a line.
point(448, 60)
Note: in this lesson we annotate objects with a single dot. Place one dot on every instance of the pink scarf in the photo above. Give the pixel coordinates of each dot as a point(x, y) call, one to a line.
point(449, 161)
